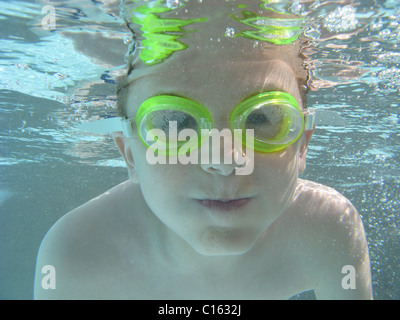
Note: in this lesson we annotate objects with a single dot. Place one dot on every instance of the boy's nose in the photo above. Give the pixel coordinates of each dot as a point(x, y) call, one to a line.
point(220, 168)
point(221, 159)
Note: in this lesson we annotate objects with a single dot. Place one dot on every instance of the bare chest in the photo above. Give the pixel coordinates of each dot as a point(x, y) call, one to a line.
point(278, 278)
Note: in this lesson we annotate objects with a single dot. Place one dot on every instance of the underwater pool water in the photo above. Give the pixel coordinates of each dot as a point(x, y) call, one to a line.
point(52, 80)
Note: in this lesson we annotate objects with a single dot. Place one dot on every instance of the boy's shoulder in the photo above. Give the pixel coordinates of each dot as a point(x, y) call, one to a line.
point(103, 217)
point(328, 231)
point(320, 209)
point(318, 213)
point(101, 214)
point(318, 199)
point(321, 218)
point(89, 238)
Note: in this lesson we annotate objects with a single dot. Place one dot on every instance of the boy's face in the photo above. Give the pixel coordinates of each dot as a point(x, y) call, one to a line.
point(189, 199)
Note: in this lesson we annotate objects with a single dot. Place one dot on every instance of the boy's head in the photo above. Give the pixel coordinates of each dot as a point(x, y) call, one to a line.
point(214, 210)
point(173, 35)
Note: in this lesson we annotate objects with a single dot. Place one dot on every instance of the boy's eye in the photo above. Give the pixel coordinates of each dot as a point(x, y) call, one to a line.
point(257, 118)
point(166, 119)
point(266, 121)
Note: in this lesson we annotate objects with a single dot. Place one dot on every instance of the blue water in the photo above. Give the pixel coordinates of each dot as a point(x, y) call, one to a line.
point(51, 80)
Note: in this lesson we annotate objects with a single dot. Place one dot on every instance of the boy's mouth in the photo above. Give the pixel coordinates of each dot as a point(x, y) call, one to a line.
point(224, 204)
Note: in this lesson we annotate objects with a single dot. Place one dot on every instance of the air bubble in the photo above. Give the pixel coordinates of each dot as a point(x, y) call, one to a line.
point(374, 44)
point(376, 26)
point(173, 4)
point(389, 57)
point(385, 33)
point(341, 19)
point(390, 79)
point(230, 32)
point(393, 25)
point(297, 8)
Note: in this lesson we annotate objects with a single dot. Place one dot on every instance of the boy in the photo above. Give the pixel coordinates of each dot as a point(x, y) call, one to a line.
point(200, 230)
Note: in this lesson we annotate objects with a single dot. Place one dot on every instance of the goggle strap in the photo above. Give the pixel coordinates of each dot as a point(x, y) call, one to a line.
point(127, 128)
point(102, 126)
point(310, 120)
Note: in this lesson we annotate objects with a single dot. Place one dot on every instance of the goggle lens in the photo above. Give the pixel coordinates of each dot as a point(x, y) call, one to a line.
point(159, 129)
point(274, 124)
point(162, 119)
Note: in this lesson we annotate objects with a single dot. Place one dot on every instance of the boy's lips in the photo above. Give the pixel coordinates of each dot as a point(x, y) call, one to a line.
point(224, 204)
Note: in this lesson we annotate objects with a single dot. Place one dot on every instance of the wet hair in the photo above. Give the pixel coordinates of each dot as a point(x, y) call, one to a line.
point(122, 95)
point(125, 86)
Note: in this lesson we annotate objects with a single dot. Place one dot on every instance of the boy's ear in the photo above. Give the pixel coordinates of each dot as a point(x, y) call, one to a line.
point(303, 149)
point(126, 152)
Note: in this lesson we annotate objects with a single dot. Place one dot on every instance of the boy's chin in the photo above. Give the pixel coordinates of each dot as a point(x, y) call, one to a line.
point(224, 245)
point(218, 252)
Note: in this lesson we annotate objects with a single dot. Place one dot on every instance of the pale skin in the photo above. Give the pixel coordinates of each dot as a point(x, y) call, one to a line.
point(148, 238)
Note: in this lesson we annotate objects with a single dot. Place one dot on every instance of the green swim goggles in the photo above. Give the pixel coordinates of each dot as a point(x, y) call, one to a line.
point(274, 119)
